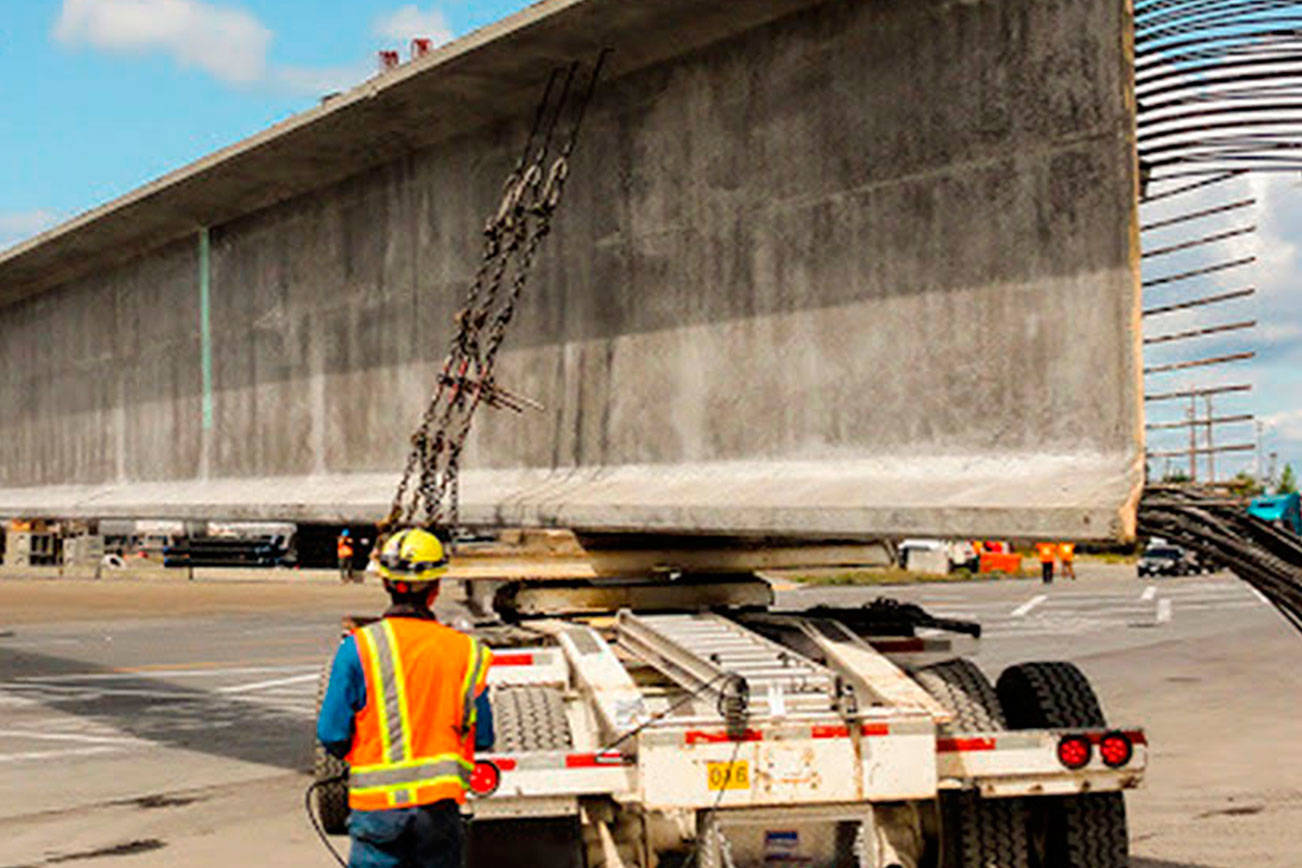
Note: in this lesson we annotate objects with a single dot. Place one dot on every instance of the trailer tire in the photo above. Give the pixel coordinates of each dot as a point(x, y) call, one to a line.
point(530, 719)
point(990, 833)
point(965, 692)
point(330, 774)
point(1084, 831)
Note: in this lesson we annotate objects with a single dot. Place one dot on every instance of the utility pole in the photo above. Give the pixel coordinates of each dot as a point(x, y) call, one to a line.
point(1211, 446)
point(1193, 438)
point(1260, 463)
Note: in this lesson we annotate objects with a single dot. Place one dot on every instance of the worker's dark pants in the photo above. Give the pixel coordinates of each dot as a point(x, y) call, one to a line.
point(1046, 571)
point(430, 836)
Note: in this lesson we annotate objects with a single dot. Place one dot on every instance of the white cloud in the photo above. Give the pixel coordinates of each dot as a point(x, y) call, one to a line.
point(1287, 424)
point(407, 22)
point(318, 80)
point(226, 42)
point(16, 226)
point(1280, 332)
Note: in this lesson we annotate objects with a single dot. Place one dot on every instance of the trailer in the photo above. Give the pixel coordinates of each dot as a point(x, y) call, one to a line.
point(737, 733)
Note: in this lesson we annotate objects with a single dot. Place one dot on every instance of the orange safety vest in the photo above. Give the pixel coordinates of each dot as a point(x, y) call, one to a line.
point(1046, 551)
point(1067, 551)
point(344, 549)
point(414, 740)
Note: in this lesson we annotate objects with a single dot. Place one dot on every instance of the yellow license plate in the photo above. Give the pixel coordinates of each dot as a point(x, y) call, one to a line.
point(728, 776)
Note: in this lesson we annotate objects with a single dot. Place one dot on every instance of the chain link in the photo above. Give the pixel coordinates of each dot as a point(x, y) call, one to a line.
point(429, 491)
point(725, 846)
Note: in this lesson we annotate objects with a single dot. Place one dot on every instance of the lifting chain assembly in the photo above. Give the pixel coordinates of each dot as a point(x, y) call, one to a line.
point(428, 494)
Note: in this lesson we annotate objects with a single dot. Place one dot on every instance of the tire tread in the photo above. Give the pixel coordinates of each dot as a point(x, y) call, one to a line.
point(1089, 829)
point(331, 799)
point(984, 833)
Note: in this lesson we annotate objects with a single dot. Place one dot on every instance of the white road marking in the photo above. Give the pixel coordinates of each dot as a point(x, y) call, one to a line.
point(165, 673)
point(1260, 596)
point(1024, 609)
point(65, 693)
point(1077, 612)
point(70, 736)
point(56, 754)
point(1218, 606)
point(259, 685)
point(295, 691)
point(36, 643)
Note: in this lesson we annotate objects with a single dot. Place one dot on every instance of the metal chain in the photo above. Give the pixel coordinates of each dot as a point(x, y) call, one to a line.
point(513, 236)
point(725, 846)
point(492, 255)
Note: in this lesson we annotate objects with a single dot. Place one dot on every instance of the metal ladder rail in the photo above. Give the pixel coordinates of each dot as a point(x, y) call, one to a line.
point(694, 650)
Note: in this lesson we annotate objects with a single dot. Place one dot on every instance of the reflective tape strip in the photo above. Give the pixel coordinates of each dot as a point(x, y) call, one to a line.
point(515, 660)
point(410, 775)
point(400, 685)
point(700, 736)
point(366, 641)
point(474, 673)
point(396, 748)
point(964, 745)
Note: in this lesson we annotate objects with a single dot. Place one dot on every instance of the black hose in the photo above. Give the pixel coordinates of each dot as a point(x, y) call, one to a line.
point(316, 824)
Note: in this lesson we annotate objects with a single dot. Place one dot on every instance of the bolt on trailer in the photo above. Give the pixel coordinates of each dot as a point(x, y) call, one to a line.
point(745, 735)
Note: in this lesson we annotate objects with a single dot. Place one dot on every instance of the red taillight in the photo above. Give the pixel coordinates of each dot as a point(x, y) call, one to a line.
point(1074, 751)
point(1116, 749)
point(485, 778)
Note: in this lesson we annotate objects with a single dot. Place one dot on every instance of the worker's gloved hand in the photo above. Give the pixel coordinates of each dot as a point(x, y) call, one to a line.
point(484, 734)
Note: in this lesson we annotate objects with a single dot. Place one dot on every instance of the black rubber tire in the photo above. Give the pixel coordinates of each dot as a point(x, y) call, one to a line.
point(1084, 831)
point(1048, 695)
point(978, 832)
point(331, 798)
point(529, 719)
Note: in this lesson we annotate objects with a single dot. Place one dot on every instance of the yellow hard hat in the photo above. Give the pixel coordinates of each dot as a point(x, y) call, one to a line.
point(412, 559)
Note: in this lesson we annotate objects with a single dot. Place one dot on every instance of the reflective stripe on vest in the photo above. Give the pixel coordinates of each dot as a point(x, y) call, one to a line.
point(383, 658)
point(400, 780)
point(475, 673)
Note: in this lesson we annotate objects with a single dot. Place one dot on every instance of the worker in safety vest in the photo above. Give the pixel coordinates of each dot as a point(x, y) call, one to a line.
point(1048, 553)
point(406, 706)
point(344, 550)
point(1067, 554)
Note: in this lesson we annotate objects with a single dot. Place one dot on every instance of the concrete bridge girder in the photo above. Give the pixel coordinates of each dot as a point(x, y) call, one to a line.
point(848, 268)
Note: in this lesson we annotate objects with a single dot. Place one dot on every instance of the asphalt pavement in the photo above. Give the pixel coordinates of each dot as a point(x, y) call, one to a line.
point(182, 735)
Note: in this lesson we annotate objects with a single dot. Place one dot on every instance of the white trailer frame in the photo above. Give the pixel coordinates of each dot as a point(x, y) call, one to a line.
point(901, 748)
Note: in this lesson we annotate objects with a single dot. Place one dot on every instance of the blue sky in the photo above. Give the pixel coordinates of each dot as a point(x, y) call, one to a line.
point(101, 96)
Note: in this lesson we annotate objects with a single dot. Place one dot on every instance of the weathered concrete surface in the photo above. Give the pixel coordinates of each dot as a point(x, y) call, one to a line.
point(865, 269)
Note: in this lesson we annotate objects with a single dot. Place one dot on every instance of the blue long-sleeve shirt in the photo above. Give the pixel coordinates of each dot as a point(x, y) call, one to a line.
point(346, 695)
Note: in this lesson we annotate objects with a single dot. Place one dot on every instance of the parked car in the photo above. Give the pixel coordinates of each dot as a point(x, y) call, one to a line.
point(1164, 559)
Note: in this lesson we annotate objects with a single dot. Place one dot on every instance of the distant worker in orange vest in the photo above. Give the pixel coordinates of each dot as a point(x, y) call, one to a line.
point(344, 550)
point(1048, 553)
point(406, 706)
point(1067, 554)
